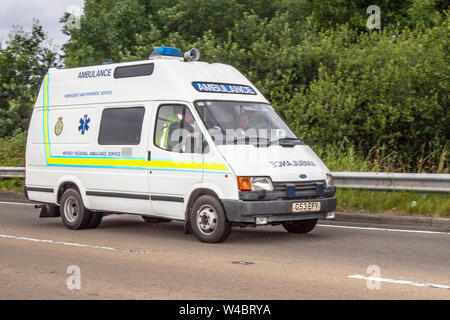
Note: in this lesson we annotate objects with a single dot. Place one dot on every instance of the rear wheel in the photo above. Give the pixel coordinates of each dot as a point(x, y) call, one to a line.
point(208, 220)
point(303, 226)
point(73, 213)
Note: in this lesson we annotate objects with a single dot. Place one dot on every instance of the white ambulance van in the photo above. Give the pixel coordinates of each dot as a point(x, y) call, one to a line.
point(170, 138)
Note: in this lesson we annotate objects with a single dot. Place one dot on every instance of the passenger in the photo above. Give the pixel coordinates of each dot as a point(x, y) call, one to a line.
point(242, 125)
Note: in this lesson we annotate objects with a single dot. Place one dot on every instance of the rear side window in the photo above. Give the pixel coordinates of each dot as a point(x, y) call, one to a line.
point(138, 70)
point(121, 126)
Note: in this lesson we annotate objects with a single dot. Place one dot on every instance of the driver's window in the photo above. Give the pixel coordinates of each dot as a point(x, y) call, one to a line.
point(176, 130)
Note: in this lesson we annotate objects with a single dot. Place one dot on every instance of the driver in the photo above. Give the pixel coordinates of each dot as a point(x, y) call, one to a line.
point(176, 133)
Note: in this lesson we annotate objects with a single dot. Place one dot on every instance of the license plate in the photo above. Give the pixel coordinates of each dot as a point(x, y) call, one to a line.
point(305, 206)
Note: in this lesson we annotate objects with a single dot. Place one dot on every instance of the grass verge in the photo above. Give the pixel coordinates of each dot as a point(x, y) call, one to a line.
point(394, 203)
point(12, 184)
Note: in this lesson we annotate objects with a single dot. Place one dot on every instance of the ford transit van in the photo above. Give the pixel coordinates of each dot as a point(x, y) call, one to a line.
point(170, 138)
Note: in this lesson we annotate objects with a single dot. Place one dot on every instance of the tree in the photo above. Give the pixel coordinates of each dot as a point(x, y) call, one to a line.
point(23, 62)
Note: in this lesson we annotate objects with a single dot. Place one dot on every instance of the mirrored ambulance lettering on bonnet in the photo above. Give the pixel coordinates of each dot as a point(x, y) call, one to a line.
point(170, 139)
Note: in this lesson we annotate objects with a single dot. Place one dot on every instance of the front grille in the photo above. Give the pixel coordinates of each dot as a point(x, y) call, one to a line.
point(303, 190)
point(299, 185)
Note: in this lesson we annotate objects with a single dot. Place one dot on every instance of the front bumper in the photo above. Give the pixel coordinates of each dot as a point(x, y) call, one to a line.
point(275, 211)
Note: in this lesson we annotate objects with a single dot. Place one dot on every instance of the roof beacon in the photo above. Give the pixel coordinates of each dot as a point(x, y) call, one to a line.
point(166, 53)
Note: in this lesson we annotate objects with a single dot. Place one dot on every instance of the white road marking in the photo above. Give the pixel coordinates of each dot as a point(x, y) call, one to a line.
point(4, 236)
point(411, 283)
point(17, 203)
point(383, 229)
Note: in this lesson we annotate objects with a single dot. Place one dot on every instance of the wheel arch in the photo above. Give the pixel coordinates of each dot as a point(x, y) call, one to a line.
point(194, 195)
point(66, 183)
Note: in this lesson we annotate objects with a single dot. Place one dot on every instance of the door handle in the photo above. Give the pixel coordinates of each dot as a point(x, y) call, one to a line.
point(149, 157)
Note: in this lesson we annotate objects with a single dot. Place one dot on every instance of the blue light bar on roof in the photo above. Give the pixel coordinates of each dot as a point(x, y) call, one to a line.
point(166, 51)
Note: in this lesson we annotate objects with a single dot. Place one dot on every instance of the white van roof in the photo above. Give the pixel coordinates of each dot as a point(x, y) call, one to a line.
point(171, 79)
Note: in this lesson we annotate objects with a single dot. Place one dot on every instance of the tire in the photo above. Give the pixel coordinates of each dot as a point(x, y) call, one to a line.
point(73, 213)
point(303, 226)
point(208, 220)
point(96, 219)
point(154, 220)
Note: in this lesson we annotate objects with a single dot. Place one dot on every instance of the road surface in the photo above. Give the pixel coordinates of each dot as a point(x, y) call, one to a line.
point(126, 258)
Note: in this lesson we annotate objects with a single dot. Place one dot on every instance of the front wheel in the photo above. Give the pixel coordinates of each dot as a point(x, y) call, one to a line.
point(208, 220)
point(303, 226)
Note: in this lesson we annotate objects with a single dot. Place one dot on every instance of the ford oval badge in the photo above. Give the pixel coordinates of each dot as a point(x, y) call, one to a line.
point(302, 176)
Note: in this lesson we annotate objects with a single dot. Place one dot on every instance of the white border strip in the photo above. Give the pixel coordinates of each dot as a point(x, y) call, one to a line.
point(383, 229)
point(5, 236)
point(411, 283)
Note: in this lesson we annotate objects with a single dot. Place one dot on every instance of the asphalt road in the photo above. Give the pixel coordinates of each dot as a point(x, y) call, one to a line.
point(126, 258)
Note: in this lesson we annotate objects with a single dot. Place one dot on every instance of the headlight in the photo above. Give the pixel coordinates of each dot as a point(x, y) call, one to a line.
point(261, 183)
point(329, 180)
point(255, 183)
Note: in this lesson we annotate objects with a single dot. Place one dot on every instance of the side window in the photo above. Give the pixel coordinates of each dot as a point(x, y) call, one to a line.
point(176, 130)
point(121, 126)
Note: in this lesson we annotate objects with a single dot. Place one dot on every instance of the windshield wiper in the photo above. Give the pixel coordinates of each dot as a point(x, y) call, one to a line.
point(254, 140)
point(286, 139)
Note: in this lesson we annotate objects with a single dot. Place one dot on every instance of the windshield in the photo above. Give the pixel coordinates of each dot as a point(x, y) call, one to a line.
point(230, 122)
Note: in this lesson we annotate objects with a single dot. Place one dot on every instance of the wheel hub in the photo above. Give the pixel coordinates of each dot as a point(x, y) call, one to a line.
point(71, 209)
point(207, 219)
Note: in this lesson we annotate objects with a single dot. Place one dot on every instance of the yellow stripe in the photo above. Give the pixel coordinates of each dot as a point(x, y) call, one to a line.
point(215, 166)
point(46, 102)
point(163, 164)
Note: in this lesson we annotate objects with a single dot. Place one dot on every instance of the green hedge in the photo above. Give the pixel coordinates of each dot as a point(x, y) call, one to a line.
point(12, 150)
point(382, 91)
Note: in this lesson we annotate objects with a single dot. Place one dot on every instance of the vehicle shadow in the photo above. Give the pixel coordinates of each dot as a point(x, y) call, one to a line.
point(175, 229)
point(133, 227)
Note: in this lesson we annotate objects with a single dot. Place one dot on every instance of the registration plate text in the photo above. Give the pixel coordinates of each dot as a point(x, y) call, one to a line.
point(305, 206)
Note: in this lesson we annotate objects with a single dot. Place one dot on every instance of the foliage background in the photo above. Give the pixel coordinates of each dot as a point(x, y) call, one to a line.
point(381, 93)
